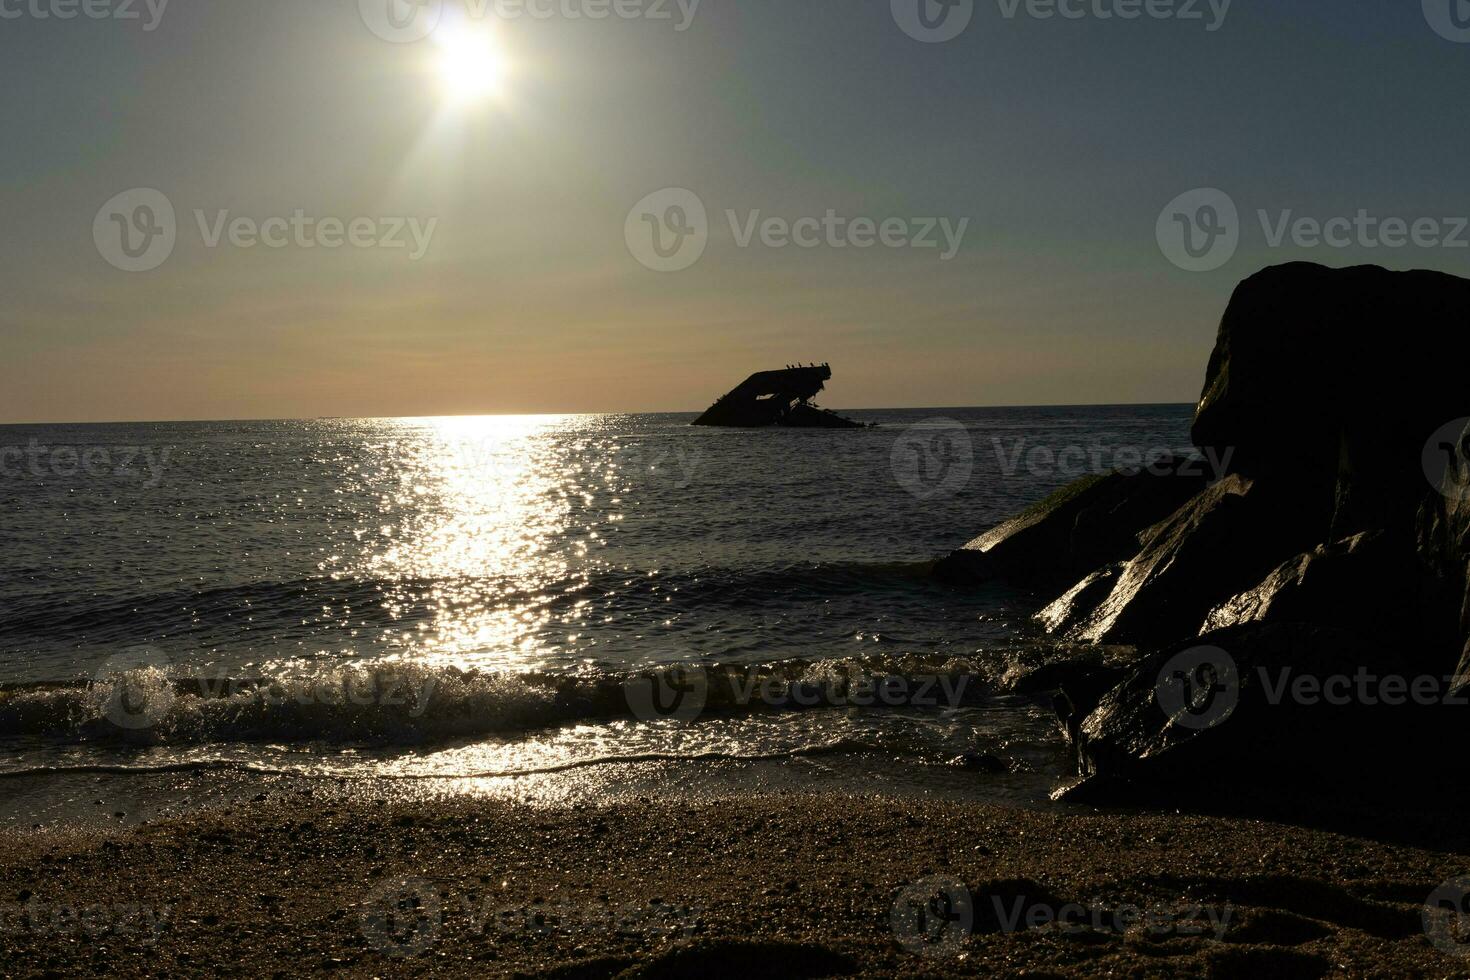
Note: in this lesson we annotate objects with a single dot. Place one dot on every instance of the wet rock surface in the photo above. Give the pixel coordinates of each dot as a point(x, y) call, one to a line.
point(1263, 713)
point(1086, 524)
point(1216, 544)
point(1373, 583)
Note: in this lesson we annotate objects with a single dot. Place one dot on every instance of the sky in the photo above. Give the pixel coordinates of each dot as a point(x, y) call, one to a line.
point(534, 153)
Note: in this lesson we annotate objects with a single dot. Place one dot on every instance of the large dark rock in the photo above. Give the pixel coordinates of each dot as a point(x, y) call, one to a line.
point(1336, 378)
point(1084, 525)
point(1249, 723)
point(1373, 583)
point(1337, 544)
point(1219, 543)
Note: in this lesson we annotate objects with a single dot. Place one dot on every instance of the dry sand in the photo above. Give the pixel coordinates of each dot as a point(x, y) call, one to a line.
point(795, 885)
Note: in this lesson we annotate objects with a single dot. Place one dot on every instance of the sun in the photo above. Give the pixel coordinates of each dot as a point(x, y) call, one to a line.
point(470, 64)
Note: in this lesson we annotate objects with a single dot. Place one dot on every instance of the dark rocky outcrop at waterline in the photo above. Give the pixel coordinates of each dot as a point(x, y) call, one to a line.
point(1372, 583)
point(1271, 723)
point(1220, 542)
point(1079, 528)
point(1335, 542)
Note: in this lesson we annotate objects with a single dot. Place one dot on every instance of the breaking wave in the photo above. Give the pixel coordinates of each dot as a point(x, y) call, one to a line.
point(407, 704)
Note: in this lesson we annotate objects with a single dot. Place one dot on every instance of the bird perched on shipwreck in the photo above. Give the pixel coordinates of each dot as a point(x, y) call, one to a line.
point(778, 398)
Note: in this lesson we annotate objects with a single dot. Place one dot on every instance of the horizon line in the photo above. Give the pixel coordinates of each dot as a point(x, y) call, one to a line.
point(388, 418)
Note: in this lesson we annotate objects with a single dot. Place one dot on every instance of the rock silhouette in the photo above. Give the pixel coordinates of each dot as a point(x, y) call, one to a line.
point(1336, 543)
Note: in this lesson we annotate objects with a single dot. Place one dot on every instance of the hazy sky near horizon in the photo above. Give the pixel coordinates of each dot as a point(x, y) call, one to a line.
point(1060, 139)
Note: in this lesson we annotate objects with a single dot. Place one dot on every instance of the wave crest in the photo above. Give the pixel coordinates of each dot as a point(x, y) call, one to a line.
point(406, 704)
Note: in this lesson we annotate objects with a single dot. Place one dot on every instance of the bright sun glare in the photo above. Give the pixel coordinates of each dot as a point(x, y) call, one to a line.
point(470, 64)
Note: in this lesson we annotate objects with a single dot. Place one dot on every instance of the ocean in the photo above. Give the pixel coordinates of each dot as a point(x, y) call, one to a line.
point(489, 602)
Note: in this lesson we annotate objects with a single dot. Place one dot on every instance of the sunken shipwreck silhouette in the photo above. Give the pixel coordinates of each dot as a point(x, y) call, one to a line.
point(778, 398)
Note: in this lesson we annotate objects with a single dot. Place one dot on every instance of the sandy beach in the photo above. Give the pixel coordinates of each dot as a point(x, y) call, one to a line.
point(792, 884)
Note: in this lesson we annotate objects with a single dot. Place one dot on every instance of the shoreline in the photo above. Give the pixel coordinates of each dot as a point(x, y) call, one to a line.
point(796, 881)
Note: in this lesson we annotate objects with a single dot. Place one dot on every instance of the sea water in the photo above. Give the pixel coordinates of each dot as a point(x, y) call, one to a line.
point(496, 598)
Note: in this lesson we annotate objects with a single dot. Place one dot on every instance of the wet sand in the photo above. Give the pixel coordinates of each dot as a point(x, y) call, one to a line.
point(792, 884)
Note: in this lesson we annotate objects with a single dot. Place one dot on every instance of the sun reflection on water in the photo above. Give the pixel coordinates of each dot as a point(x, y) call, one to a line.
point(476, 513)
